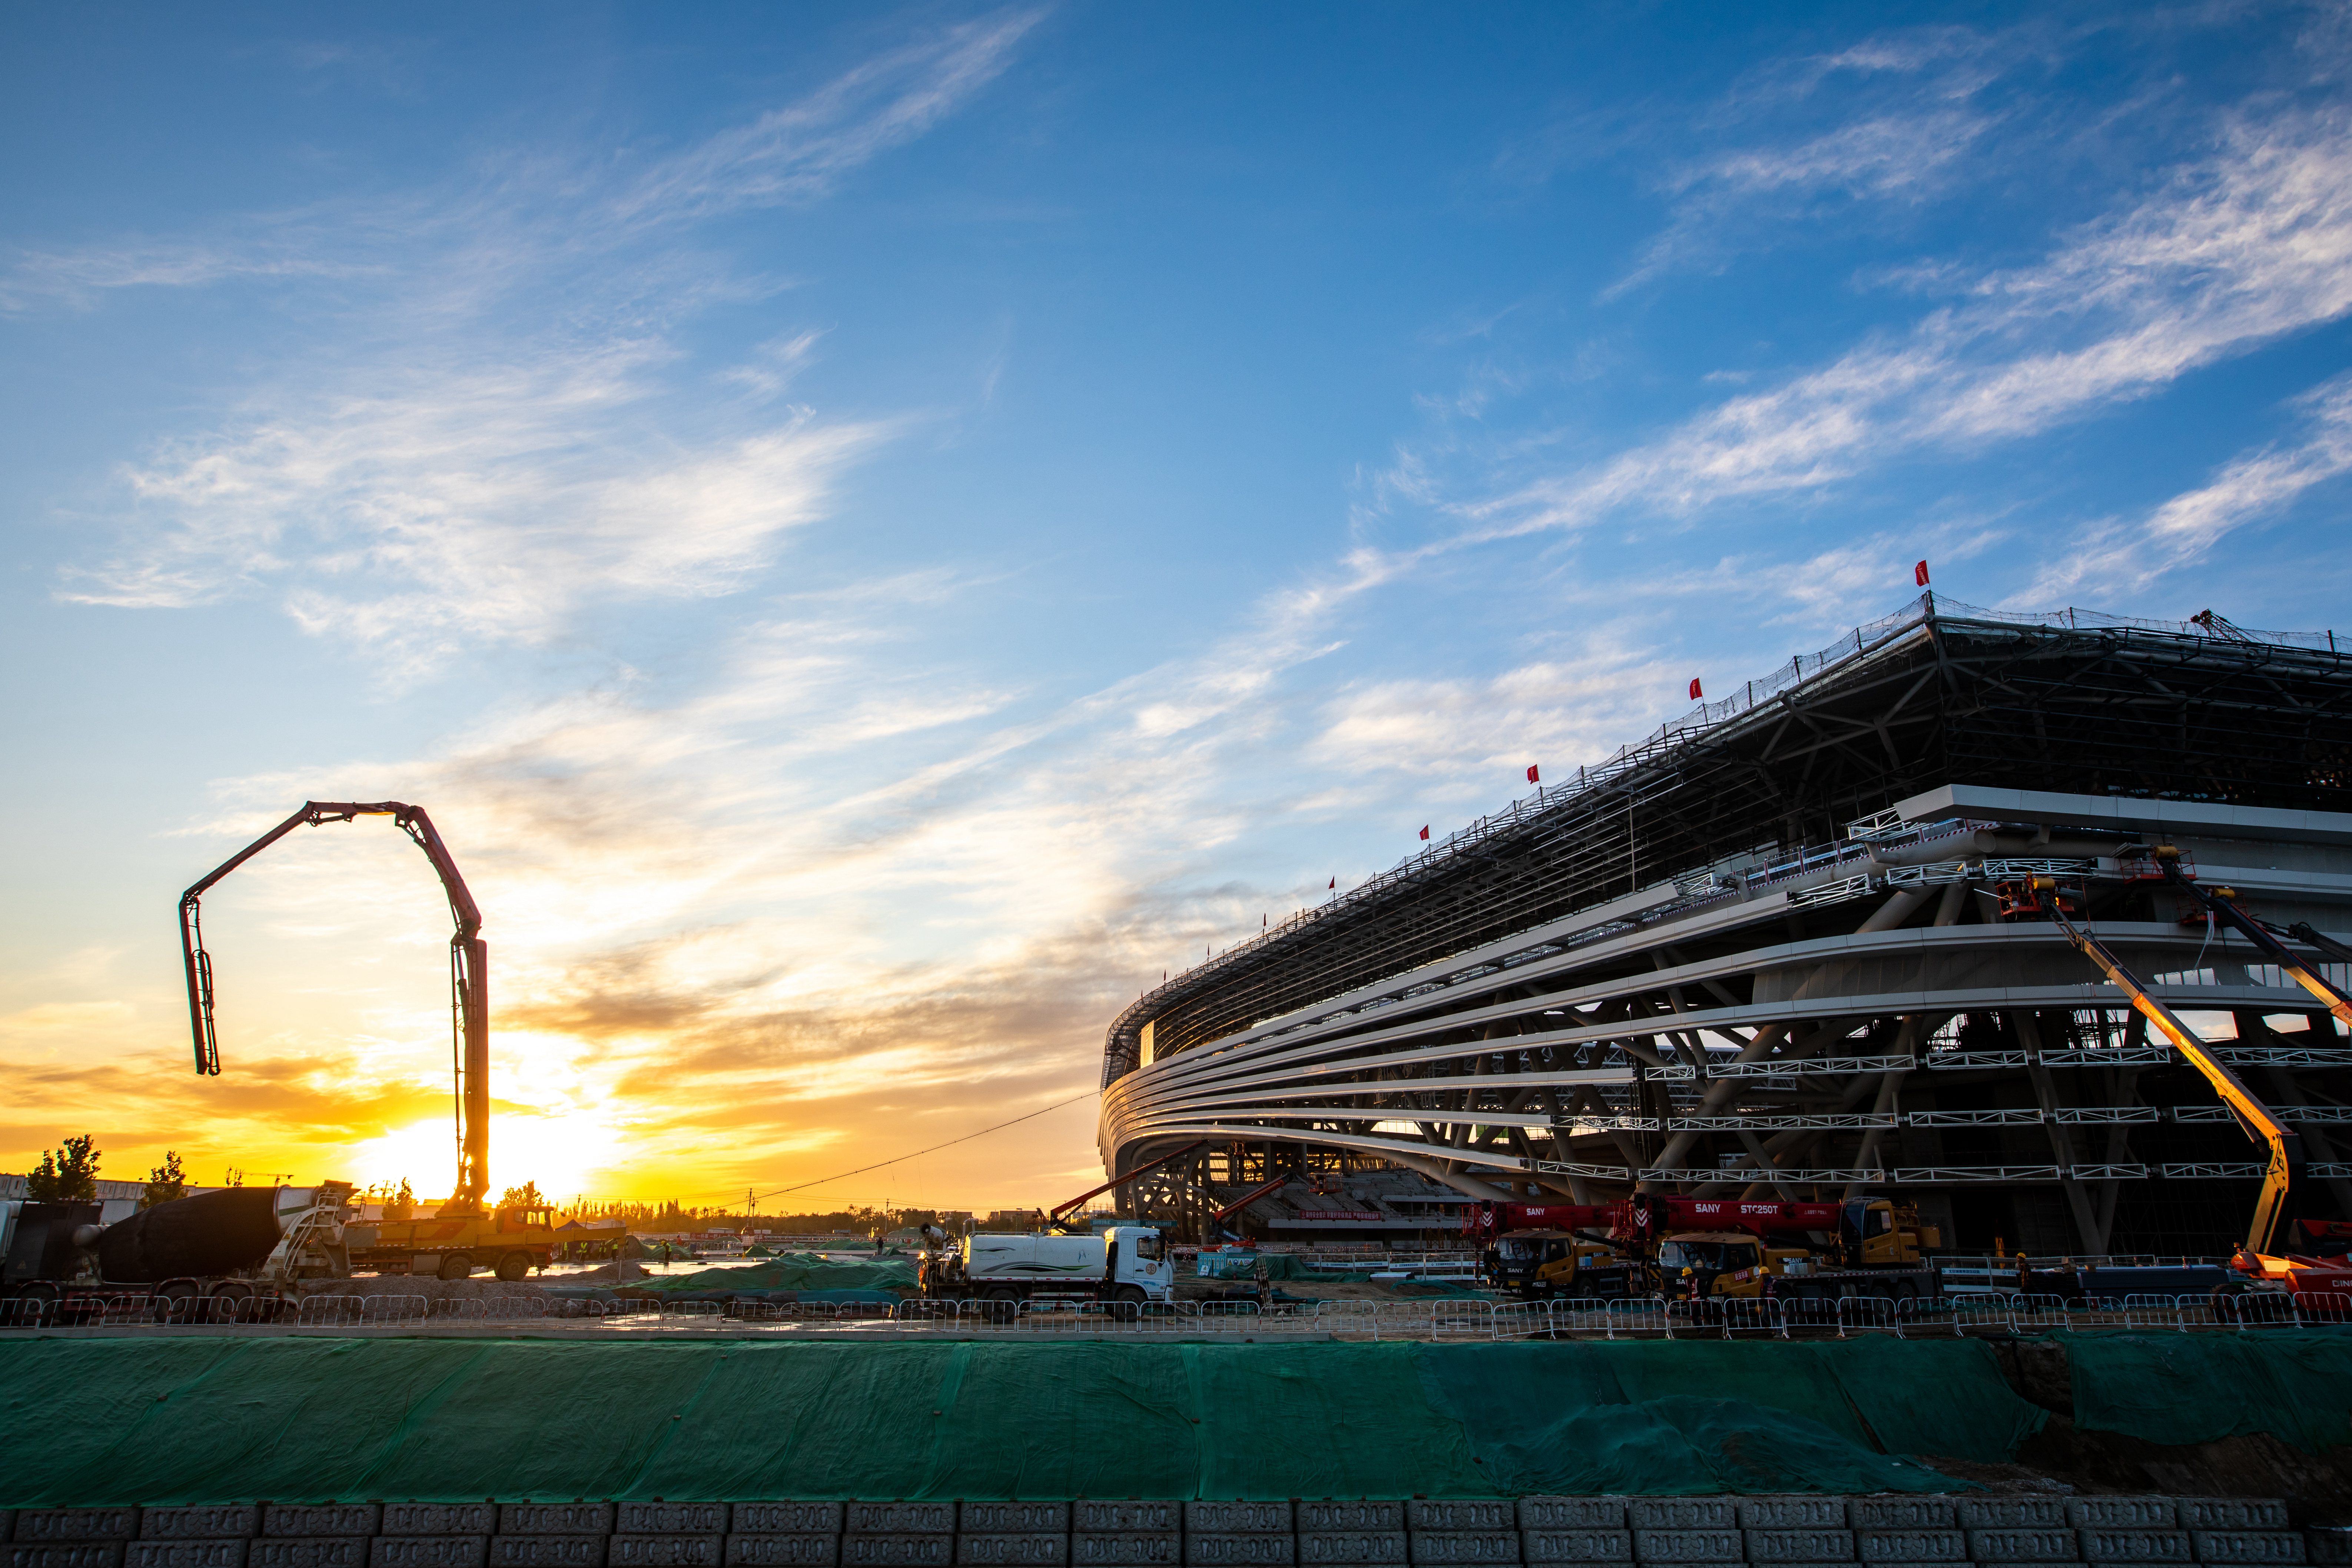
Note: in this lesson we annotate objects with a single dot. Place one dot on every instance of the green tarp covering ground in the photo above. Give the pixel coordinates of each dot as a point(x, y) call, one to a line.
point(793, 1271)
point(159, 1420)
point(2200, 1388)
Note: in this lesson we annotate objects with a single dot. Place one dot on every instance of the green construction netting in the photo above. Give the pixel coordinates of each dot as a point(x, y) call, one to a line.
point(2198, 1388)
point(793, 1271)
point(159, 1420)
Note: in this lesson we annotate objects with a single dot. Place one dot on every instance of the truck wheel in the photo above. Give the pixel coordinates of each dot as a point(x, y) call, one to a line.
point(457, 1265)
point(514, 1266)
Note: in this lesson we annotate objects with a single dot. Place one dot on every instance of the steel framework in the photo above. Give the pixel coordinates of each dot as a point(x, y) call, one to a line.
point(1759, 951)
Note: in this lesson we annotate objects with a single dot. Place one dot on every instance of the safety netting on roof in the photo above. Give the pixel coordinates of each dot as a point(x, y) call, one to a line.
point(157, 1420)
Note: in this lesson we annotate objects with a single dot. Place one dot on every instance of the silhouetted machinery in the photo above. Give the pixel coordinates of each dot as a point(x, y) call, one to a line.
point(230, 1255)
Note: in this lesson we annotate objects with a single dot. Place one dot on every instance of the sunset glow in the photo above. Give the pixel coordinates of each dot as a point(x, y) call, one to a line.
point(879, 534)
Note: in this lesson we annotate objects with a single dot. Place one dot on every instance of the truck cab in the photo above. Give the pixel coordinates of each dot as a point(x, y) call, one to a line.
point(1539, 1265)
point(1699, 1263)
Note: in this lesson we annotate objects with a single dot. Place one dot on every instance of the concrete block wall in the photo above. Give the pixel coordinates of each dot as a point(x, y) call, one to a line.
point(1798, 1531)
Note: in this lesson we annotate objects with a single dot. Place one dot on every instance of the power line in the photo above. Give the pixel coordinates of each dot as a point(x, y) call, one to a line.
point(777, 1192)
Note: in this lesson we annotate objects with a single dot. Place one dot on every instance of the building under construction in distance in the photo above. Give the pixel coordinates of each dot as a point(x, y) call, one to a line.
point(1764, 952)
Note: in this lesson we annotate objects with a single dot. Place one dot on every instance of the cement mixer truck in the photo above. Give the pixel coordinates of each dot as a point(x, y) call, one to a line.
point(232, 1255)
point(1126, 1265)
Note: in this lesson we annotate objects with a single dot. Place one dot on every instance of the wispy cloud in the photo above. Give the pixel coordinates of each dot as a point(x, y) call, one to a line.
point(479, 475)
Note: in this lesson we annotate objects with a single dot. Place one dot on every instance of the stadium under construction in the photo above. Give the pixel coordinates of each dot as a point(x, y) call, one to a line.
point(1764, 952)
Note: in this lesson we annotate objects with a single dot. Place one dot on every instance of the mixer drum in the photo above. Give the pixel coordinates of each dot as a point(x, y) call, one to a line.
point(211, 1233)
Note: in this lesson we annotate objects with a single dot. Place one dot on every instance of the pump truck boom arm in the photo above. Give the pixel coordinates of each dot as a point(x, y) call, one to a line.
point(2286, 1148)
point(2221, 904)
point(470, 976)
point(1054, 1215)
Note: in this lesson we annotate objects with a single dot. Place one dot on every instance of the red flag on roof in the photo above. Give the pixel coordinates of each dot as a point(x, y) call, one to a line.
point(1695, 693)
point(1919, 574)
point(1533, 776)
point(1424, 830)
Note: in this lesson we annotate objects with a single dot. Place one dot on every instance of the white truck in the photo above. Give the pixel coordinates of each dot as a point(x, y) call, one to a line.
point(1124, 1263)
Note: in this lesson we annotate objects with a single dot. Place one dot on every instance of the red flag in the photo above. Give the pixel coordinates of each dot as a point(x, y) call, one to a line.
point(1335, 881)
point(1533, 776)
point(1695, 693)
point(1424, 830)
point(1919, 574)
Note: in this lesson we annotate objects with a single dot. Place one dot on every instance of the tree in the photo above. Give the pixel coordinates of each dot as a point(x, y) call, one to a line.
point(165, 1182)
point(66, 1177)
point(525, 1196)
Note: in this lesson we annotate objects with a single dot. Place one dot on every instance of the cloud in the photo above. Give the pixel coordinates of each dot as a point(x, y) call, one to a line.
point(466, 478)
point(2235, 251)
point(2123, 558)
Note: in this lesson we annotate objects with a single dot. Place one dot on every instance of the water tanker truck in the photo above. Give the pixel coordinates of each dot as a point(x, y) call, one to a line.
point(228, 1254)
point(1123, 1263)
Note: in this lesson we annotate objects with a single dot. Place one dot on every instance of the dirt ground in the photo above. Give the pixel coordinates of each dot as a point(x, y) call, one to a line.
point(482, 1288)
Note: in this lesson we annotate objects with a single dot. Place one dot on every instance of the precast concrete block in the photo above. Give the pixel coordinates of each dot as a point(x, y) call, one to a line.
point(1013, 1519)
point(2045, 1544)
point(2329, 1544)
point(550, 1551)
point(207, 1521)
point(66, 1554)
point(556, 1518)
point(778, 1549)
point(429, 1551)
point(440, 1519)
point(1205, 1517)
point(1263, 1551)
point(1345, 1514)
point(2231, 1512)
point(1572, 1513)
point(786, 1519)
point(1682, 1513)
point(8, 1525)
point(1688, 1545)
point(311, 1521)
point(79, 1526)
point(201, 1554)
point(1797, 1512)
point(1126, 1548)
point(1457, 1515)
point(1027, 1549)
point(1900, 1513)
point(1468, 1548)
point(1574, 1545)
point(1911, 1545)
point(1816, 1545)
point(900, 1518)
point(2265, 1546)
point(2115, 1544)
point(2011, 1513)
point(665, 1551)
point(671, 1518)
point(308, 1551)
point(899, 1548)
point(2122, 1513)
point(1353, 1548)
point(1127, 1518)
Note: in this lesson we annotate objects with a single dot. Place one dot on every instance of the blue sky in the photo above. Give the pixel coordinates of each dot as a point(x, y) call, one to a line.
point(875, 531)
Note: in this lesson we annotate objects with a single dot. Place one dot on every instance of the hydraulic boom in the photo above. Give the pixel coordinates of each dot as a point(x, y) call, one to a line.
point(2286, 1148)
point(470, 978)
point(2221, 904)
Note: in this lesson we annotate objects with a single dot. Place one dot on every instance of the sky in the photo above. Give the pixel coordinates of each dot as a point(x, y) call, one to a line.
point(876, 531)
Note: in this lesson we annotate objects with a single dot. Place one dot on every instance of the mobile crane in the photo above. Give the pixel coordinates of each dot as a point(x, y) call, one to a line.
point(1739, 1247)
point(460, 1233)
point(2294, 1274)
point(1543, 1251)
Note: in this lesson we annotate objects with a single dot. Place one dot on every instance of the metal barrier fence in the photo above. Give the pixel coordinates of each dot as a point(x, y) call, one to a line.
point(1450, 1318)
